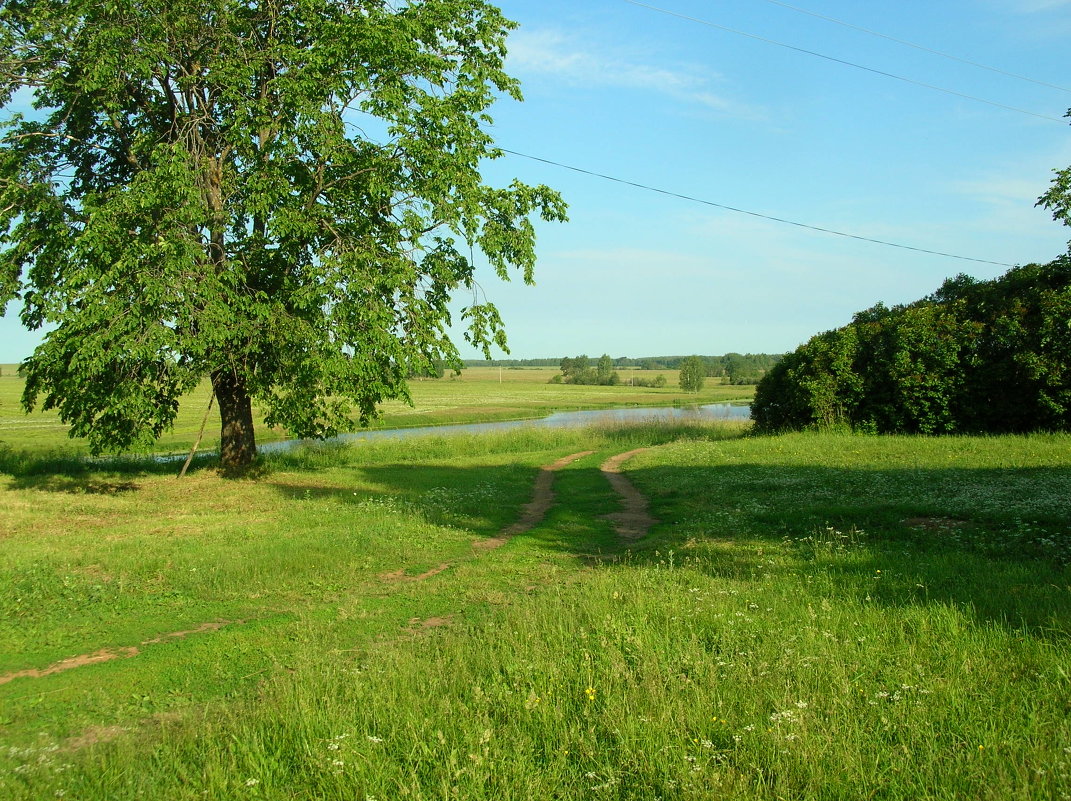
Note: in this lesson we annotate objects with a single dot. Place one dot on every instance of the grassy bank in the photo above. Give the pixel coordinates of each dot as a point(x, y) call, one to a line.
point(816, 616)
point(478, 395)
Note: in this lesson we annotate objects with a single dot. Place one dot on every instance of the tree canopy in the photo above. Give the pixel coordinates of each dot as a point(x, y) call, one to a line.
point(579, 370)
point(693, 372)
point(280, 196)
point(974, 357)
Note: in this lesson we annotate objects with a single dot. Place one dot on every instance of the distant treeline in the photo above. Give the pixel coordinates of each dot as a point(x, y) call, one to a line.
point(974, 357)
point(739, 368)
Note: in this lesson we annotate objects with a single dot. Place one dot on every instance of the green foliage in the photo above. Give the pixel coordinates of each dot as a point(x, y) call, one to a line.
point(658, 382)
point(578, 370)
point(604, 370)
point(740, 369)
point(692, 373)
point(282, 197)
point(976, 356)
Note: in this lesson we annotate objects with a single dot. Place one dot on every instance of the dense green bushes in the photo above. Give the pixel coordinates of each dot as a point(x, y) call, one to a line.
point(976, 356)
point(580, 370)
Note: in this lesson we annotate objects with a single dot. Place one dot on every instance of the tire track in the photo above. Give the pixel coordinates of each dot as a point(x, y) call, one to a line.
point(532, 514)
point(536, 509)
point(634, 520)
point(108, 654)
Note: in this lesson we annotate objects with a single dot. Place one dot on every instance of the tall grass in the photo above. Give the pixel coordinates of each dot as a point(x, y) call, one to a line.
point(817, 616)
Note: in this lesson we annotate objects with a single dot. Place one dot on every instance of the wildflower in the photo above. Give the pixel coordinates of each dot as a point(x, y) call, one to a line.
point(252, 782)
point(373, 739)
point(590, 693)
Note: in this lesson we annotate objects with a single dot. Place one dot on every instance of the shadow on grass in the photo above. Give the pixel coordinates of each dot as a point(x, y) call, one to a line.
point(64, 471)
point(996, 541)
point(992, 541)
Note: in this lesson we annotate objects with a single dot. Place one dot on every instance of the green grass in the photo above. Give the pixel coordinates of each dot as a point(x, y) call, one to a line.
point(478, 395)
point(817, 616)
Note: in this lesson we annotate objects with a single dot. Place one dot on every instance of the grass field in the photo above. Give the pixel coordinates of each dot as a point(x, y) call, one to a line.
point(815, 616)
point(479, 394)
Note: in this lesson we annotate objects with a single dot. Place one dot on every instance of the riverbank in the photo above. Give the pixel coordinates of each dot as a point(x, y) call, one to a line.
point(605, 417)
point(479, 395)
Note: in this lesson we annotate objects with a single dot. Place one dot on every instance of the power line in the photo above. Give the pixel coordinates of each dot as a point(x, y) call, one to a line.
point(912, 81)
point(918, 46)
point(692, 199)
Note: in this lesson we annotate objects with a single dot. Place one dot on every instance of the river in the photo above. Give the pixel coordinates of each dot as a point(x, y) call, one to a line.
point(707, 412)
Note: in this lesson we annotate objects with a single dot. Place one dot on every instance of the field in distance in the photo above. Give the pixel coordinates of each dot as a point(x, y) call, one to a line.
point(479, 394)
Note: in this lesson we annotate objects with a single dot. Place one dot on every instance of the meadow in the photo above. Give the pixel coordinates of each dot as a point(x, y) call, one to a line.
point(478, 394)
point(814, 616)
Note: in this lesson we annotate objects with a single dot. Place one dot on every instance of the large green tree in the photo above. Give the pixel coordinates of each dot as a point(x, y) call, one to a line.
point(280, 195)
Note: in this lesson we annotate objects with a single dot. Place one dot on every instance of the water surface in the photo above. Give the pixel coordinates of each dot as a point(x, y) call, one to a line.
point(707, 412)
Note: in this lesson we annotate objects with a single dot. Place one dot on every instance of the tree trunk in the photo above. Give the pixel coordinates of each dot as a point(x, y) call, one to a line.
point(238, 445)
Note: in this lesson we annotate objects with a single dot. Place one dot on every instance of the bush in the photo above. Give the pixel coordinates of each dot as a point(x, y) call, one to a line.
point(974, 357)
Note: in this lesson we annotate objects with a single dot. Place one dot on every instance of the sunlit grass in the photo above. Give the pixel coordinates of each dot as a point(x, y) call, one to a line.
point(479, 394)
point(817, 616)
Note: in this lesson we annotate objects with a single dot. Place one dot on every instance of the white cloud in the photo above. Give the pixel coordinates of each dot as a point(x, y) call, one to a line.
point(550, 52)
point(1004, 202)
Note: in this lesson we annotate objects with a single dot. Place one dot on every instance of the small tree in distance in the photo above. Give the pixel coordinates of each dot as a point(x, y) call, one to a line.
point(692, 374)
point(579, 370)
point(604, 369)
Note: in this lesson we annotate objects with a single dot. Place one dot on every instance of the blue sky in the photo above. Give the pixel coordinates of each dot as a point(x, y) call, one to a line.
point(628, 91)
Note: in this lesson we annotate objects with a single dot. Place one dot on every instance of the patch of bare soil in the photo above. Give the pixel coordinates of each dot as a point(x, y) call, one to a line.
point(536, 509)
point(108, 654)
point(174, 635)
point(399, 575)
point(93, 736)
point(634, 520)
point(420, 624)
point(103, 655)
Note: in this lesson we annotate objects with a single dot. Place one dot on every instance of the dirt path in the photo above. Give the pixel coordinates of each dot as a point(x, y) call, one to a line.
point(108, 654)
point(531, 515)
point(399, 575)
point(634, 520)
point(631, 523)
point(536, 509)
